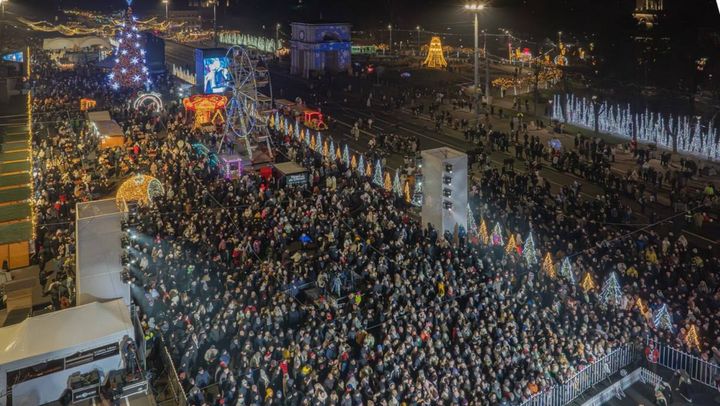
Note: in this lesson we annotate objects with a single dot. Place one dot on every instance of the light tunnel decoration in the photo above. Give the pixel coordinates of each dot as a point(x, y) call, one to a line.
point(139, 188)
point(150, 99)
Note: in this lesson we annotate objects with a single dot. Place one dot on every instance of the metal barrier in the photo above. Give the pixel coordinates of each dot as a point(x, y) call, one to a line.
point(572, 388)
point(698, 369)
point(173, 380)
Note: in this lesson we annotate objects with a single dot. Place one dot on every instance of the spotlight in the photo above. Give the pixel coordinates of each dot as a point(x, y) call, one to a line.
point(447, 192)
point(447, 180)
point(447, 205)
point(448, 168)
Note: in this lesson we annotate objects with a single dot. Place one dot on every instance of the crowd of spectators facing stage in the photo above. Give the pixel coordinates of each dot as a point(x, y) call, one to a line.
point(334, 292)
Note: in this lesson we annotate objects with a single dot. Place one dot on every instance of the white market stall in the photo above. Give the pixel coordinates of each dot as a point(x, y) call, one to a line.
point(40, 353)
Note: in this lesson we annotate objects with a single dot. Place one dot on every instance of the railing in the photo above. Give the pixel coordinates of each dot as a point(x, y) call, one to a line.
point(571, 389)
point(698, 369)
point(173, 380)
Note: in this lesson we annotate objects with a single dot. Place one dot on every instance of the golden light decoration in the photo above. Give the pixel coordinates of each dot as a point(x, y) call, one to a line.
point(388, 182)
point(353, 162)
point(435, 57)
point(483, 232)
point(642, 307)
point(271, 121)
point(338, 154)
point(139, 188)
point(511, 245)
point(691, 338)
point(548, 266)
point(407, 192)
point(313, 143)
point(588, 283)
point(325, 150)
point(368, 170)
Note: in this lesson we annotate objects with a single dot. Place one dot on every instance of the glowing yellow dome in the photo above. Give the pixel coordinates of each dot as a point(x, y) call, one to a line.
point(139, 188)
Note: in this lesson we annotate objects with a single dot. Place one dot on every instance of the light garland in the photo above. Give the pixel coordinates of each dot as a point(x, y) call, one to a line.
point(662, 319)
point(611, 290)
point(587, 284)
point(529, 252)
point(691, 338)
point(511, 245)
point(140, 188)
point(548, 266)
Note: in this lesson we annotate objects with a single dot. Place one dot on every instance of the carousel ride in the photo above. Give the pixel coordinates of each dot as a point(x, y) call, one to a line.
point(248, 109)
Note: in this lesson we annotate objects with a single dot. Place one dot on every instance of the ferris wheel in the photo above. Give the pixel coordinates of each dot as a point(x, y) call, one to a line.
point(246, 123)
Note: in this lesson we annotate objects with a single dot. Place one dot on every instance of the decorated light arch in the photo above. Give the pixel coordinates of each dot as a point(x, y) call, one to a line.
point(139, 188)
point(150, 99)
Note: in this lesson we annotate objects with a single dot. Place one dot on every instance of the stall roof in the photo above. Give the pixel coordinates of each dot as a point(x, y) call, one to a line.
point(63, 329)
point(289, 168)
point(106, 126)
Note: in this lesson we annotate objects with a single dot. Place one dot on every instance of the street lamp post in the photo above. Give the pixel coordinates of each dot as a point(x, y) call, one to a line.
point(166, 2)
point(475, 8)
point(418, 39)
point(390, 47)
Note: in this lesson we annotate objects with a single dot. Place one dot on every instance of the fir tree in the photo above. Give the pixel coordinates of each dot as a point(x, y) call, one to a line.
point(587, 284)
point(129, 71)
point(611, 290)
point(346, 156)
point(483, 232)
point(548, 266)
point(511, 245)
point(529, 251)
point(397, 187)
point(663, 319)
point(388, 182)
point(497, 238)
point(566, 270)
point(361, 165)
point(378, 176)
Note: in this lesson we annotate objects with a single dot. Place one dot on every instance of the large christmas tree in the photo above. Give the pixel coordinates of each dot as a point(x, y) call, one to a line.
point(129, 71)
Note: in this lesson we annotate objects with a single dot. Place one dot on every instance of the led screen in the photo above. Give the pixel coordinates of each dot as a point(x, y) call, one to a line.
point(13, 57)
point(216, 75)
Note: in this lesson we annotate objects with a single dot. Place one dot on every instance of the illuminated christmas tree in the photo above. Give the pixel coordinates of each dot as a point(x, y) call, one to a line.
point(346, 155)
point(496, 237)
point(662, 319)
point(548, 266)
point(290, 131)
point(388, 182)
point(361, 165)
point(353, 163)
point(368, 170)
point(529, 251)
point(408, 198)
point(566, 270)
point(691, 338)
point(325, 150)
point(397, 187)
point(378, 176)
point(271, 122)
point(611, 290)
point(338, 154)
point(587, 283)
point(312, 143)
point(483, 232)
point(472, 226)
point(307, 137)
point(129, 71)
point(277, 119)
point(319, 143)
point(511, 245)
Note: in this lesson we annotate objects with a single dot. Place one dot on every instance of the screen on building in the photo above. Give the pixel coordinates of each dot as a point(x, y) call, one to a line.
point(13, 57)
point(216, 76)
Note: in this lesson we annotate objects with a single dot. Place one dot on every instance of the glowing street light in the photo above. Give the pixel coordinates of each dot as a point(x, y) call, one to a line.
point(475, 8)
point(166, 3)
point(390, 30)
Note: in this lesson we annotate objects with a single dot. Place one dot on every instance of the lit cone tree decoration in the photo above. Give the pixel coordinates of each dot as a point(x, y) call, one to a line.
point(346, 156)
point(529, 251)
point(388, 182)
point(313, 143)
point(483, 232)
point(548, 266)
point(642, 307)
point(361, 165)
point(587, 284)
point(496, 237)
point(691, 338)
point(368, 170)
point(472, 226)
point(325, 150)
point(271, 122)
point(291, 132)
point(129, 71)
point(338, 154)
point(408, 198)
point(417, 198)
point(332, 147)
point(353, 163)
point(319, 144)
point(307, 139)
point(397, 187)
point(566, 270)
point(378, 176)
point(611, 290)
point(662, 319)
point(511, 245)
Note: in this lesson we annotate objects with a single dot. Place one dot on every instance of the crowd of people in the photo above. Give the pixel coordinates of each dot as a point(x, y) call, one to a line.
point(335, 293)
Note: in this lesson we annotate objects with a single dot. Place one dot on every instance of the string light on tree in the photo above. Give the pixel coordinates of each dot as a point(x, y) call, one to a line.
point(548, 266)
point(353, 163)
point(397, 187)
point(388, 183)
point(642, 307)
point(408, 198)
point(511, 245)
point(566, 270)
point(483, 232)
point(346, 157)
point(368, 170)
point(662, 319)
point(691, 338)
point(325, 150)
point(128, 71)
point(319, 143)
point(361, 165)
point(378, 176)
point(496, 237)
point(587, 284)
point(472, 226)
point(529, 251)
point(611, 291)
